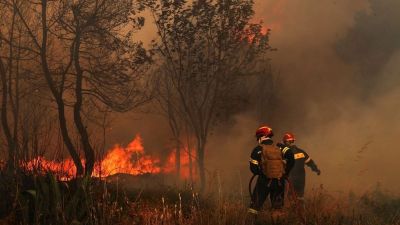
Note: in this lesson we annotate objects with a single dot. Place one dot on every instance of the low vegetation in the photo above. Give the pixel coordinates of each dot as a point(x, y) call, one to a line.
point(44, 200)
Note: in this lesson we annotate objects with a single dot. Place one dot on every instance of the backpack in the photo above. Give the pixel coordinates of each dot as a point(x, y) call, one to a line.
point(271, 161)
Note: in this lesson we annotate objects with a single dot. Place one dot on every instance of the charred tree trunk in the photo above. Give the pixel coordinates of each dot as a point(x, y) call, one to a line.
point(200, 161)
point(176, 132)
point(15, 100)
point(57, 94)
point(25, 144)
point(4, 119)
point(67, 140)
point(189, 152)
point(84, 136)
point(6, 95)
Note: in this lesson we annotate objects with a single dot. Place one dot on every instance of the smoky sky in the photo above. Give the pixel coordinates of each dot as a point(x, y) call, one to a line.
point(338, 81)
point(338, 91)
point(372, 42)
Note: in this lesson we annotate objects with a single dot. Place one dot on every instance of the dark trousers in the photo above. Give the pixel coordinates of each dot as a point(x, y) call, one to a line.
point(275, 188)
point(298, 183)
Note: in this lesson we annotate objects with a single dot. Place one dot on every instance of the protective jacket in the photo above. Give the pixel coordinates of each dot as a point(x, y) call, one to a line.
point(255, 159)
point(298, 174)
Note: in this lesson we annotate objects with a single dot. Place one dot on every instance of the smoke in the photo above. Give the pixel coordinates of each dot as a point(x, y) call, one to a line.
point(339, 72)
point(152, 128)
point(338, 64)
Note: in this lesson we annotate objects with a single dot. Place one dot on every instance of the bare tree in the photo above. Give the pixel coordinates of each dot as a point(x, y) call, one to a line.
point(11, 56)
point(87, 53)
point(4, 117)
point(169, 104)
point(207, 47)
point(105, 58)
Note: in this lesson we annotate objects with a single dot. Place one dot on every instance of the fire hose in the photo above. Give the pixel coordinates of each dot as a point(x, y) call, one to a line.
point(250, 184)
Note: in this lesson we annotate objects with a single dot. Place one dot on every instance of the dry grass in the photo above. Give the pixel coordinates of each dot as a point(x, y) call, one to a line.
point(321, 208)
point(118, 204)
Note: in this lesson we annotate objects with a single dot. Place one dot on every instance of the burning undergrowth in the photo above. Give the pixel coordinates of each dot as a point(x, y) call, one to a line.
point(129, 160)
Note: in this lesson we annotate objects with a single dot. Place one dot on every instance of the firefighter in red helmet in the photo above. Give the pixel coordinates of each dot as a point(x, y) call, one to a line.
point(272, 167)
point(298, 175)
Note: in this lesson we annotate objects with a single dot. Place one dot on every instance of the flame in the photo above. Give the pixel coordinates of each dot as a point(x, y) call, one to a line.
point(248, 36)
point(187, 162)
point(64, 170)
point(130, 159)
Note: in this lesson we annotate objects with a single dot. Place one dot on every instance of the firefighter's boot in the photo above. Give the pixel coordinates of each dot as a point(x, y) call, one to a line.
point(251, 217)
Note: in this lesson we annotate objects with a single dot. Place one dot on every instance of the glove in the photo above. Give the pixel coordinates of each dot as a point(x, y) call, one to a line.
point(318, 172)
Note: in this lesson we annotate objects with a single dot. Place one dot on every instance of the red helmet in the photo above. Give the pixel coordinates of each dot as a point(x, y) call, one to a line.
point(288, 137)
point(264, 131)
